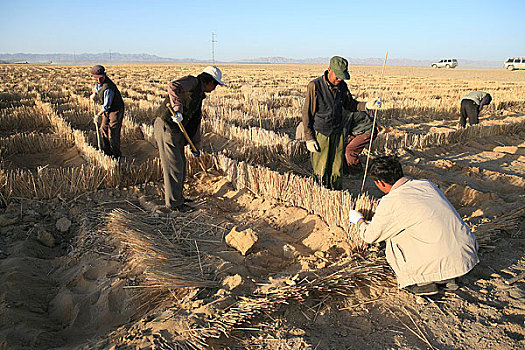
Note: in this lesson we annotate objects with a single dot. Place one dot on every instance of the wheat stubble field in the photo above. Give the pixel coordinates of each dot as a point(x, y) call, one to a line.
point(87, 262)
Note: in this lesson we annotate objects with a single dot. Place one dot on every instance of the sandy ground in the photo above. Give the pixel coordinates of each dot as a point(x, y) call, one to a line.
point(68, 287)
point(77, 271)
point(59, 158)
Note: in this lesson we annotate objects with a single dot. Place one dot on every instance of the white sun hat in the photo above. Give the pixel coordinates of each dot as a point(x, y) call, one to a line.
point(215, 73)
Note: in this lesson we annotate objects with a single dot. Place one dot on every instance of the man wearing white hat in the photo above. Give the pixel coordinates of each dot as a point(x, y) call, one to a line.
point(185, 96)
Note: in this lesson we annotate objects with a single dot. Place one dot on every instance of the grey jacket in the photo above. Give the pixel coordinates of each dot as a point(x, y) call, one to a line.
point(426, 240)
point(476, 96)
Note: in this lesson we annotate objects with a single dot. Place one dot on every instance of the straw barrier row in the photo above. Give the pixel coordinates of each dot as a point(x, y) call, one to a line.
point(293, 190)
point(100, 172)
point(275, 119)
point(24, 118)
point(391, 141)
point(32, 143)
point(261, 146)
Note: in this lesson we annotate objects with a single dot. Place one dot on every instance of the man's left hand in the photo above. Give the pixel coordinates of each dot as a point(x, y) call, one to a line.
point(374, 103)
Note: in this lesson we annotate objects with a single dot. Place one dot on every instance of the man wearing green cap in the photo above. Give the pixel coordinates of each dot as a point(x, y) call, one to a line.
point(322, 118)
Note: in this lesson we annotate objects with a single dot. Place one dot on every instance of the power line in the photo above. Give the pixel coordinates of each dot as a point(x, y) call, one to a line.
point(213, 41)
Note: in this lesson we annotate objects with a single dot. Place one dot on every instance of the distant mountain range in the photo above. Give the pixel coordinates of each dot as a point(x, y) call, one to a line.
point(119, 58)
point(106, 57)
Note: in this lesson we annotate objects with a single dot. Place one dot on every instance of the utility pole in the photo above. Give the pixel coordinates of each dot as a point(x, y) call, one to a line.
point(109, 55)
point(213, 41)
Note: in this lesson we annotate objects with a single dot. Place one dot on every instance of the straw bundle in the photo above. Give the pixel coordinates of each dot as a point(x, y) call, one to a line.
point(486, 232)
point(164, 264)
point(341, 281)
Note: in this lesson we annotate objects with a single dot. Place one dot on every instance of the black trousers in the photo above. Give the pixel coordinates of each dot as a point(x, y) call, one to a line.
point(469, 110)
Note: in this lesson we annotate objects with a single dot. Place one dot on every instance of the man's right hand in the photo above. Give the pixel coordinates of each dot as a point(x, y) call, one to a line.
point(355, 217)
point(92, 97)
point(313, 146)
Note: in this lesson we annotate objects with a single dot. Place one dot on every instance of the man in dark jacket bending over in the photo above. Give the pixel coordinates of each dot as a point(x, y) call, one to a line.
point(185, 96)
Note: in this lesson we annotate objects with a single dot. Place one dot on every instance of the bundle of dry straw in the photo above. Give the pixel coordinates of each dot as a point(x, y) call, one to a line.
point(486, 232)
point(342, 281)
point(164, 269)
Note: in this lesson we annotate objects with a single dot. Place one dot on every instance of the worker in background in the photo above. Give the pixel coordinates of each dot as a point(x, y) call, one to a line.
point(357, 131)
point(427, 243)
point(106, 94)
point(185, 96)
point(471, 106)
point(322, 119)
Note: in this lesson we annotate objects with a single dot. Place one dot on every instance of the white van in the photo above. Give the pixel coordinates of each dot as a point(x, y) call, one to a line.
point(446, 63)
point(514, 63)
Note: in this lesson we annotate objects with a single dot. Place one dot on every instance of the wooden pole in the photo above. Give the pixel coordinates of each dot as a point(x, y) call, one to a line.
point(373, 128)
point(194, 149)
point(95, 120)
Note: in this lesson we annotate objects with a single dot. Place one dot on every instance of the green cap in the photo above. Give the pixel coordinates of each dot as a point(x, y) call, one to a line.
point(340, 67)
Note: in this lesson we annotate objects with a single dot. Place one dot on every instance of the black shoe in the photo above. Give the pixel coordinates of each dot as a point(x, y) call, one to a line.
point(184, 208)
point(449, 285)
point(164, 210)
point(427, 289)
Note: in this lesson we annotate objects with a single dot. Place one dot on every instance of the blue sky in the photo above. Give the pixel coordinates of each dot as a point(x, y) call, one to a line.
point(479, 30)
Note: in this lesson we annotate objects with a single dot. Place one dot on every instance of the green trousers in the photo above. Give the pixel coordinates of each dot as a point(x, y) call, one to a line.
point(328, 164)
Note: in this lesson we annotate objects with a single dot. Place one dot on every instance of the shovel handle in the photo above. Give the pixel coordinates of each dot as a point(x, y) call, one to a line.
point(194, 149)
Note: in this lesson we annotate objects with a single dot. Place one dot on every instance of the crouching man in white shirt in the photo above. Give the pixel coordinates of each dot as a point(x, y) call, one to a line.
point(427, 243)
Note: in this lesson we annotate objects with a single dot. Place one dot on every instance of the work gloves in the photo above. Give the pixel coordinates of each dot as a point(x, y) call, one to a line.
point(177, 118)
point(374, 103)
point(313, 146)
point(92, 97)
point(355, 216)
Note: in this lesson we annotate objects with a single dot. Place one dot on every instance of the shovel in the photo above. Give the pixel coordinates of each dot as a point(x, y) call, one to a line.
point(193, 148)
point(95, 120)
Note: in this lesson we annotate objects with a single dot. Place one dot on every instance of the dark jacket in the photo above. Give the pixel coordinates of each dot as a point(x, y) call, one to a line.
point(118, 103)
point(188, 93)
point(323, 106)
point(357, 123)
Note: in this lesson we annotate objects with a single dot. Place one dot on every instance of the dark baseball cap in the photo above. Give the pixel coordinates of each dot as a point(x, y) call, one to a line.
point(340, 67)
point(98, 71)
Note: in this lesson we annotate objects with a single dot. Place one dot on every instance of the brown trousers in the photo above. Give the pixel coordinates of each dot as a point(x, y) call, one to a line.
point(355, 146)
point(110, 127)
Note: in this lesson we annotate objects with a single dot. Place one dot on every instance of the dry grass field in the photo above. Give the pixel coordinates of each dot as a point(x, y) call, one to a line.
point(88, 262)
